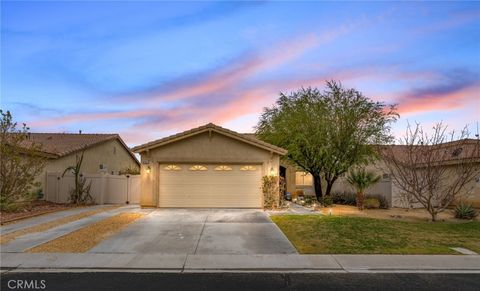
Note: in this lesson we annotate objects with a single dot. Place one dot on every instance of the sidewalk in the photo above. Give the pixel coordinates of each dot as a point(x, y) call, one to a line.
point(241, 263)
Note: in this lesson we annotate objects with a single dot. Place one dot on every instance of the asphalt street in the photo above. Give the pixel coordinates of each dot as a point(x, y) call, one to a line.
point(238, 281)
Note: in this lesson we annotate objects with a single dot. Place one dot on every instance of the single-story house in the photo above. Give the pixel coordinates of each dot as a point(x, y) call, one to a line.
point(299, 180)
point(208, 166)
point(103, 153)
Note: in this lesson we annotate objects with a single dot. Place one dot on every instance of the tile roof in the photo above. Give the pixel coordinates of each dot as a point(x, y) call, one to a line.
point(210, 126)
point(62, 144)
point(449, 152)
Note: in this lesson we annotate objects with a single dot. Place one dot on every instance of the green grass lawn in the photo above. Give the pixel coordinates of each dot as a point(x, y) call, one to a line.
point(315, 234)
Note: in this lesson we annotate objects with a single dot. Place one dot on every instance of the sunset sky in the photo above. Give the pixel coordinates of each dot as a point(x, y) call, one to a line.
point(149, 69)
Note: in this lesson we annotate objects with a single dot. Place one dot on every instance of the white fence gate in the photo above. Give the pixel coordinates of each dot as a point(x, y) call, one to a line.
point(105, 189)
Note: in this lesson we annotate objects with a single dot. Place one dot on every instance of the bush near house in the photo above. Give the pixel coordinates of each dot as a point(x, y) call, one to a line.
point(381, 199)
point(327, 201)
point(348, 198)
point(344, 198)
point(371, 203)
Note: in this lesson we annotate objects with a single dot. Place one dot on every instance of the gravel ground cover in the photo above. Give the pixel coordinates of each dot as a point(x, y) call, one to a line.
point(84, 239)
point(49, 225)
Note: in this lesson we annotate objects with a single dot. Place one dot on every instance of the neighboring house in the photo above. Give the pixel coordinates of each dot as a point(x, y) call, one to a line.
point(208, 166)
point(300, 180)
point(103, 153)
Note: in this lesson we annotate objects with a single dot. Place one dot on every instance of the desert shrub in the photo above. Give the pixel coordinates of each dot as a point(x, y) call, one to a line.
point(371, 203)
point(80, 194)
point(326, 201)
point(308, 200)
point(12, 207)
point(382, 199)
point(465, 211)
point(37, 194)
point(344, 198)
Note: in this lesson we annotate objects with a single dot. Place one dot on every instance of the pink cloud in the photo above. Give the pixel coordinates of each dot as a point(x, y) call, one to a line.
point(246, 67)
point(241, 100)
point(445, 102)
point(238, 71)
point(83, 117)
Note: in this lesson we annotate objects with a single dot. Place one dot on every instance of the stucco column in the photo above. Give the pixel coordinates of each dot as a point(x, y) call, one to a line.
point(147, 185)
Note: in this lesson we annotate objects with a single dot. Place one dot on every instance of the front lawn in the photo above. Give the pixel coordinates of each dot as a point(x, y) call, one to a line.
point(314, 234)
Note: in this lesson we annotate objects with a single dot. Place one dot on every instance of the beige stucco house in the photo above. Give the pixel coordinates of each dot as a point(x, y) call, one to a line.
point(208, 166)
point(299, 180)
point(103, 153)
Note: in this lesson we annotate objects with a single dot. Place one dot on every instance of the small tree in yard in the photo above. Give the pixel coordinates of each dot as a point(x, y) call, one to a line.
point(326, 133)
point(361, 180)
point(20, 162)
point(80, 194)
point(433, 170)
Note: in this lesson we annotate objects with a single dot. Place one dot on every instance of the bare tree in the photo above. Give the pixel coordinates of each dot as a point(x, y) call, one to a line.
point(433, 169)
point(20, 162)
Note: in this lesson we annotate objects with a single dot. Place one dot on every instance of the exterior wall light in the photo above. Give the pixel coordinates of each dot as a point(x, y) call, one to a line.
point(148, 169)
point(329, 211)
point(272, 171)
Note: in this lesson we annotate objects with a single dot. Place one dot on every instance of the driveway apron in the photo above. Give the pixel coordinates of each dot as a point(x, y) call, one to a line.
point(200, 231)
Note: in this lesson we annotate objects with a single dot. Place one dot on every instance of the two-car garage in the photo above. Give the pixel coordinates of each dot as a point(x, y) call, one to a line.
point(206, 167)
point(210, 185)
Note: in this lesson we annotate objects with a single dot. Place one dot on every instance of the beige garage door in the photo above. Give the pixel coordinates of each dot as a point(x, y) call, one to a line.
point(206, 185)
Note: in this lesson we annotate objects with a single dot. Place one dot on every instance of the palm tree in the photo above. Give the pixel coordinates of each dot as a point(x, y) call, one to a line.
point(361, 180)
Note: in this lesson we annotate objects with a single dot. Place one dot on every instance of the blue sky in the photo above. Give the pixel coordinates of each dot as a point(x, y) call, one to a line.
point(149, 69)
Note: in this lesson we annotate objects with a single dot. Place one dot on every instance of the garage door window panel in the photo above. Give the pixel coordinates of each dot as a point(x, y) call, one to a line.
point(173, 168)
point(248, 168)
point(198, 168)
point(223, 168)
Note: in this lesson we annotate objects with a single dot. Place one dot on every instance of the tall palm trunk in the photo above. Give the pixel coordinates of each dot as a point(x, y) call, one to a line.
point(360, 199)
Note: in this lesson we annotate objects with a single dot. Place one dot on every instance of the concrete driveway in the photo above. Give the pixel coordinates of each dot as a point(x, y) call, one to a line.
point(200, 231)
